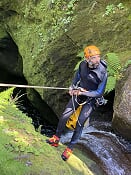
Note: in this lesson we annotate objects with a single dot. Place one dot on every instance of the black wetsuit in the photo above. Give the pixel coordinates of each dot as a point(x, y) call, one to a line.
point(94, 81)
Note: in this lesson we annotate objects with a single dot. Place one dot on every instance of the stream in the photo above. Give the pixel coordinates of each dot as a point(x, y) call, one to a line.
point(111, 152)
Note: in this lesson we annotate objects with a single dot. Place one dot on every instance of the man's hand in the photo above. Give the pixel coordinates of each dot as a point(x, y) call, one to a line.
point(73, 92)
point(80, 91)
point(76, 91)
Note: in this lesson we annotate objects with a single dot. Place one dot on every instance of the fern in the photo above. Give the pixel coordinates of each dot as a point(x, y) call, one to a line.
point(5, 96)
point(111, 82)
point(114, 71)
point(114, 63)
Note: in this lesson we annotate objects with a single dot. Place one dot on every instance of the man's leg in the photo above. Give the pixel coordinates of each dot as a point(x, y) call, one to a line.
point(84, 115)
point(65, 116)
point(54, 141)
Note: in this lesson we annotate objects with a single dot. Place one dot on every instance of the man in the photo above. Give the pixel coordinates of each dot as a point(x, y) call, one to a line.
point(87, 87)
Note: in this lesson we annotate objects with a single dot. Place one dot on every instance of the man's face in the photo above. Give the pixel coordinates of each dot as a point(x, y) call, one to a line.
point(93, 61)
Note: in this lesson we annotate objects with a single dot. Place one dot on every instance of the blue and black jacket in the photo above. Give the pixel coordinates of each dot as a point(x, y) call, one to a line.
point(93, 80)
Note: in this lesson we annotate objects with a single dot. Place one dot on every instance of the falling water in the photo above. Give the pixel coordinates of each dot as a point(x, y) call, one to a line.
point(111, 152)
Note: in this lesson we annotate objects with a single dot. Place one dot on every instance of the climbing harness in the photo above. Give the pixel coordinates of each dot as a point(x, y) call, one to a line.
point(100, 101)
point(73, 119)
point(71, 122)
point(86, 101)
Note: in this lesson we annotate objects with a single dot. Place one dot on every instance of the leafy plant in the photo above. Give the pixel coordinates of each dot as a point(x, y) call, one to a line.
point(120, 6)
point(114, 64)
point(5, 95)
point(110, 9)
point(62, 15)
point(114, 71)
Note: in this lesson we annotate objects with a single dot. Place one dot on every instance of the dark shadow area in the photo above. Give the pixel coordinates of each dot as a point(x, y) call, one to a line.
point(30, 110)
point(11, 72)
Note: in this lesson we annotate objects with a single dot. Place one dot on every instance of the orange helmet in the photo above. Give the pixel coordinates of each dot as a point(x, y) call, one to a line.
point(91, 51)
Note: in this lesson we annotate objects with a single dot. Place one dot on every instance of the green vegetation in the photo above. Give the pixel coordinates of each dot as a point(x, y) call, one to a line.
point(23, 151)
point(115, 70)
point(111, 9)
point(62, 15)
point(57, 16)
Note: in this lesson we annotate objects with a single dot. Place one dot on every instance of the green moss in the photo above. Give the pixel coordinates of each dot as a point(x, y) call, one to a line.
point(2, 32)
point(24, 151)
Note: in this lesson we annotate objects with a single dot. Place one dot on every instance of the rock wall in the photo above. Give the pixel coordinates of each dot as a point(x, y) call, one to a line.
point(49, 37)
point(122, 106)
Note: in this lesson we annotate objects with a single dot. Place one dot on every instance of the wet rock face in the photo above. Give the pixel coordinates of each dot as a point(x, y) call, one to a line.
point(50, 62)
point(122, 106)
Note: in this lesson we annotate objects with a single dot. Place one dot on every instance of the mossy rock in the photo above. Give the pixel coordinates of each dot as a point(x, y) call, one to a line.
point(25, 151)
point(50, 38)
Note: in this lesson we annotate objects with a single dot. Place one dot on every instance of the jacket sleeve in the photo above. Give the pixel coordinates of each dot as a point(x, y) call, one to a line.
point(100, 90)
